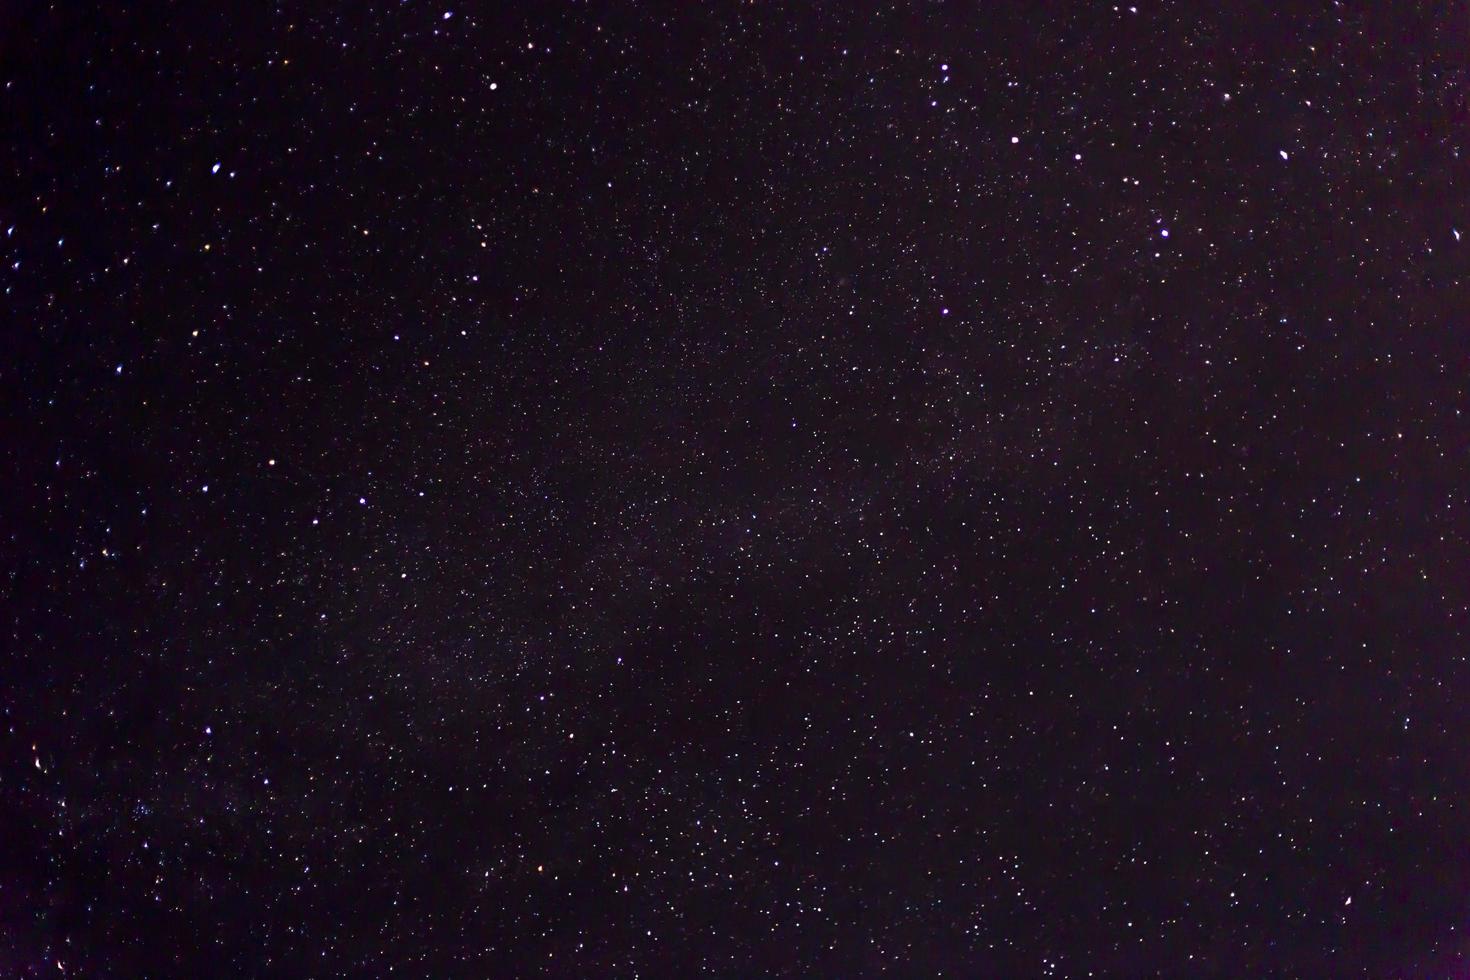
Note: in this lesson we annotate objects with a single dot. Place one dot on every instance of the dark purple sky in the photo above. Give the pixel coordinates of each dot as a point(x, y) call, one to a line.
point(736, 490)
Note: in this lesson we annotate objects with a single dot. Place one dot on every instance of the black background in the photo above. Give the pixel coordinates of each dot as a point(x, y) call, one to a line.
point(733, 490)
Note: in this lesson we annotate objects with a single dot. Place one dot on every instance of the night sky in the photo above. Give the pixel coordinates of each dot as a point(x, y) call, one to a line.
point(662, 490)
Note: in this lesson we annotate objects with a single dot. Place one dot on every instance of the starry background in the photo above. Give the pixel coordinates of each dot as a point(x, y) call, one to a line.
point(563, 489)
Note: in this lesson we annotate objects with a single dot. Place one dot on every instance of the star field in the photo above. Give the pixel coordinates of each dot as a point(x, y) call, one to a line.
point(734, 490)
